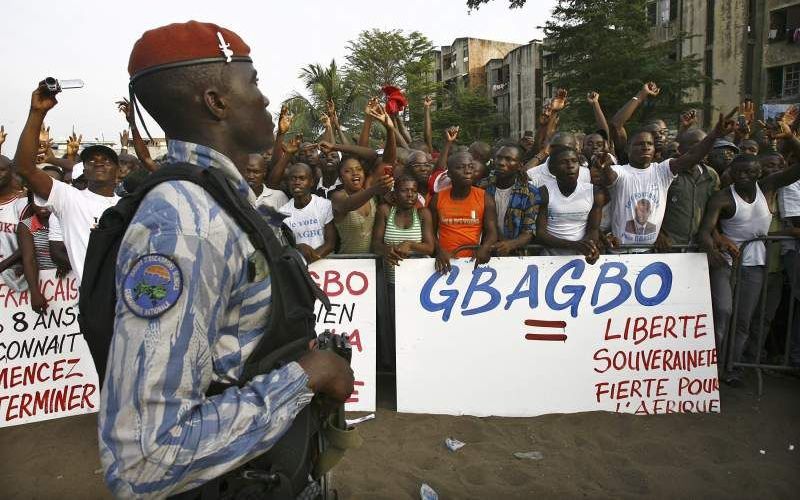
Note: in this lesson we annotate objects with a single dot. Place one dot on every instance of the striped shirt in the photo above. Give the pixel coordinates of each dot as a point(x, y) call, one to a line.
point(41, 241)
point(395, 234)
point(159, 433)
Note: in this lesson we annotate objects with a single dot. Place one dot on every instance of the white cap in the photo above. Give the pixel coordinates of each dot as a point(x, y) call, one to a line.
point(77, 170)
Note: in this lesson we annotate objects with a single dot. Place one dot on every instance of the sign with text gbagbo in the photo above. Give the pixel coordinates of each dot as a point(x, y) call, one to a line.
point(350, 285)
point(46, 370)
point(525, 336)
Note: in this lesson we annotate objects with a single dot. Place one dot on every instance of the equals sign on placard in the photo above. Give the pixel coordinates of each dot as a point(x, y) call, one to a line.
point(557, 337)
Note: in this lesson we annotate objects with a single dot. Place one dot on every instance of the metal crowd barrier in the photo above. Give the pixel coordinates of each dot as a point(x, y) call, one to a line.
point(729, 344)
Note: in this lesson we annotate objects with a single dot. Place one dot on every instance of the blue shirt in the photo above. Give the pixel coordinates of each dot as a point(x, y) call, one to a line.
point(159, 434)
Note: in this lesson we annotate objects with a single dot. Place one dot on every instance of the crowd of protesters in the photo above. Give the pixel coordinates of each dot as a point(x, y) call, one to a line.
point(549, 192)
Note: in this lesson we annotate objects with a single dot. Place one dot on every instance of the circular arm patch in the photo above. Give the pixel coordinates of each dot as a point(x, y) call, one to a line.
point(152, 286)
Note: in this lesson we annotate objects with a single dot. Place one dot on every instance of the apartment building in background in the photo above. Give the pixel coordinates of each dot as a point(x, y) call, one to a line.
point(515, 85)
point(751, 46)
point(461, 64)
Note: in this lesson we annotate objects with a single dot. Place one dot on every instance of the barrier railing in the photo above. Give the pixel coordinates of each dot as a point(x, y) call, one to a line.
point(729, 344)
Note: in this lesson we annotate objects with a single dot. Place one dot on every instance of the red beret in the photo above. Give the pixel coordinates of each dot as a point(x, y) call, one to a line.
point(184, 44)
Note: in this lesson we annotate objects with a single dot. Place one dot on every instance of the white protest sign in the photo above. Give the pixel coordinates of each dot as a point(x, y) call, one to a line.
point(351, 287)
point(525, 336)
point(46, 370)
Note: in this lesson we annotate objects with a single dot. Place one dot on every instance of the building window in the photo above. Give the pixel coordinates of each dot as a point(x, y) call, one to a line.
point(652, 16)
point(783, 23)
point(673, 10)
point(791, 80)
point(783, 81)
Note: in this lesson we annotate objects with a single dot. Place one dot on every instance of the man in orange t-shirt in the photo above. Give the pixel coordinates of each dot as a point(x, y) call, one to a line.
point(463, 215)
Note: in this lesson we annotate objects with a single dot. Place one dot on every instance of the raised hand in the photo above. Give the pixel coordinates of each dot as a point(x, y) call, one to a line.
point(330, 109)
point(292, 146)
point(378, 113)
point(74, 144)
point(284, 120)
point(325, 120)
point(726, 124)
point(326, 147)
point(428, 102)
point(3, 134)
point(124, 139)
point(651, 89)
point(558, 102)
point(592, 97)
point(748, 109)
point(790, 116)
point(451, 134)
point(688, 118)
point(544, 118)
point(42, 100)
point(124, 107)
point(372, 102)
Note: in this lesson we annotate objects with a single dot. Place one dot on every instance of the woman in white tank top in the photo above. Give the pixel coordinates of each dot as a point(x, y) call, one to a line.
point(569, 215)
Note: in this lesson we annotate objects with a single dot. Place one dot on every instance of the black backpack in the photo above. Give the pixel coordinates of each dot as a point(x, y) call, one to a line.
point(290, 326)
point(292, 319)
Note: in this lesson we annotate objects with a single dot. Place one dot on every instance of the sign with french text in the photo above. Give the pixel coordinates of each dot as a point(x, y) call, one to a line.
point(525, 336)
point(46, 370)
point(350, 285)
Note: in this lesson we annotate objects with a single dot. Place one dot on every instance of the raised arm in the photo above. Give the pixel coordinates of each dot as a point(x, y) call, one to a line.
point(284, 122)
point(327, 135)
point(3, 136)
point(363, 139)
point(699, 151)
point(344, 203)
point(367, 154)
point(599, 117)
point(289, 149)
point(618, 121)
point(788, 175)
point(390, 149)
point(427, 129)
point(450, 137)
point(42, 101)
point(401, 127)
point(337, 127)
point(139, 147)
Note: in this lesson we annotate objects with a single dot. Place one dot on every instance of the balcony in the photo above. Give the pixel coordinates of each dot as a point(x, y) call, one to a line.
point(499, 89)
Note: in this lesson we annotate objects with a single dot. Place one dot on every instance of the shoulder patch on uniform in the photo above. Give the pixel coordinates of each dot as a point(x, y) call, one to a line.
point(152, 286)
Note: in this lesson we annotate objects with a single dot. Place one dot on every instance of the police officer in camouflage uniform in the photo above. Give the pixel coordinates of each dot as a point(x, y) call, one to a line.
point(192, 292)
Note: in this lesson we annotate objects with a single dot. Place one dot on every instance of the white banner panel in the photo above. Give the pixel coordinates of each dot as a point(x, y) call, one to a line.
point(351, 287)
point(525, 336)
point(46, 370)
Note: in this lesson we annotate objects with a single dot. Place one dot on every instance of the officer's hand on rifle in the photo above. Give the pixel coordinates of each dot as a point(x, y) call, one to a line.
point(328, 373)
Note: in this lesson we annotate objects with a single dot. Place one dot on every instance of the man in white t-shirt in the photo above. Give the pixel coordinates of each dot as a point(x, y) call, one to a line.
point(11, 207)
point(78, 210)
point(640, 187)
point(310, 217)
point(255, 174)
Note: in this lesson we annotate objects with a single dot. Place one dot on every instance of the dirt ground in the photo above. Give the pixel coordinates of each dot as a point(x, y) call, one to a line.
point(586, 455)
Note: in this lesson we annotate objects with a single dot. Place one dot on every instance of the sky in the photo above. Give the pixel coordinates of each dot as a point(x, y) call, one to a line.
point(92, 39)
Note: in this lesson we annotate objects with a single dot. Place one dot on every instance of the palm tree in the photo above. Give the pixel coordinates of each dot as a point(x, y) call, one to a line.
point(321, 85)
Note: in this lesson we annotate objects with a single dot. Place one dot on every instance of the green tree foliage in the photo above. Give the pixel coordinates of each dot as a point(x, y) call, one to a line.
point(323, 84)
point(377, 58)
point(512, 4)
point(473, 112)
point(605, 46)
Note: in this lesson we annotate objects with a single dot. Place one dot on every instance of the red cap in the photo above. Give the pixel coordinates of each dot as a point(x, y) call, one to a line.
point(184, 44)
